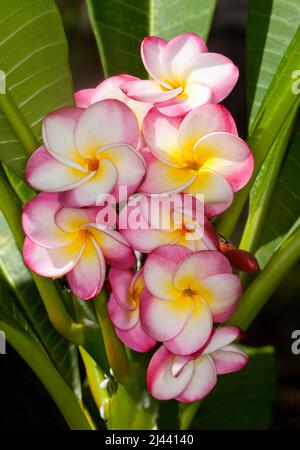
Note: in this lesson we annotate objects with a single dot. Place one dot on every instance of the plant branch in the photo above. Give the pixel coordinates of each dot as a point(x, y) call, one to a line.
point(115, 350)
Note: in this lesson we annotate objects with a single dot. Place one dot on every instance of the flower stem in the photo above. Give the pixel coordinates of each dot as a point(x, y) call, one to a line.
point(18, 123)
point(115, 350)
point(267, 281)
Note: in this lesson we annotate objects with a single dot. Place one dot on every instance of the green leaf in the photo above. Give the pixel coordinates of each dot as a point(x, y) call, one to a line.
point(63, 354)
point(284, 209)
point(278, 104)
point(34, 59)
point(120, 26)
point(241, 400)
point(10, 313)
point(270, 28)
point(29, 348)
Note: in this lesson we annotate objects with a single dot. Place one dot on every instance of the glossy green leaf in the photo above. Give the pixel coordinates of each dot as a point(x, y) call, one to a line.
point(270, 28)
point(280, 99)
point(120, 27)
point(283, 213)
point(63, 354)
point(34, 59)
point(241, 400)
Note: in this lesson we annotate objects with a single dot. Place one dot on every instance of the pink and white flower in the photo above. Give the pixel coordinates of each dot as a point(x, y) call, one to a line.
point(110, 88)
point(150, 222)
point(200, 154)
point(124, 308)
point(69, 241)
point(190, 378)
point(185, 293)
point(184, 75)
point(87, 153)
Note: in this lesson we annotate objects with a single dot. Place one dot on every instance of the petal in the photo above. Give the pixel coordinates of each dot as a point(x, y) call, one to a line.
point(181, 54)
point(217, 72)
point(45, 173)
point(217, 191)
point(163, 178)
point(52, 263)
point(120, 282)
point(198, 266)
point(87, 277)
point(104, 123)
point(124, 157)
point(149, 91)
point(195, 332)
point(161, 382)
point(110, 88)
point(58, 133)
point(72, 220)
point(163, 319)
point(137, 228)
point(220, 337)
point(152, 50)
point(194, 94)
point(161, 136)
point(227, 155)
point(229, 359)
point(122, 318)
point(145, 241)
point(203, 381)
point(204, 120)
point(103, 181)
point(222, 293)
point(115, 248)
point(136, 339)
point(39, 224)
point(160, 268)
point(83, 98)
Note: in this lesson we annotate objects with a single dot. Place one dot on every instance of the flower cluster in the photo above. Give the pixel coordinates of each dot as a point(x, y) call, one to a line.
point(126, 142)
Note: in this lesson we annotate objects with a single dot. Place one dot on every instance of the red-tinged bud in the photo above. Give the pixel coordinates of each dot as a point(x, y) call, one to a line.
point(224, 247)
point(242, 260)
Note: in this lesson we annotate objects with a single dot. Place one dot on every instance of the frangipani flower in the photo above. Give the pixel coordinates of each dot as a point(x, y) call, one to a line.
point(191, 378)
point(110, 88)
point(200, 154)
point(123, 309)
point(163, 222)
point(87, 153)
point(185, 75)
point(187, 292)
point(69, 241)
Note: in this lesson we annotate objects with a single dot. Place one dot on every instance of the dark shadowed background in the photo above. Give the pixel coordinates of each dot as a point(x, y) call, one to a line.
point(25, 404)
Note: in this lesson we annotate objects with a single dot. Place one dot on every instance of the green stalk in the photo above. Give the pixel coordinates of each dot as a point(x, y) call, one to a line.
point(264, 185)
point(37, 359)
point(267, 281)
point(115, 350)
point(96, 379)
point(58, 315)
point(18, 123)
point(277, 104)
point(188, 413)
